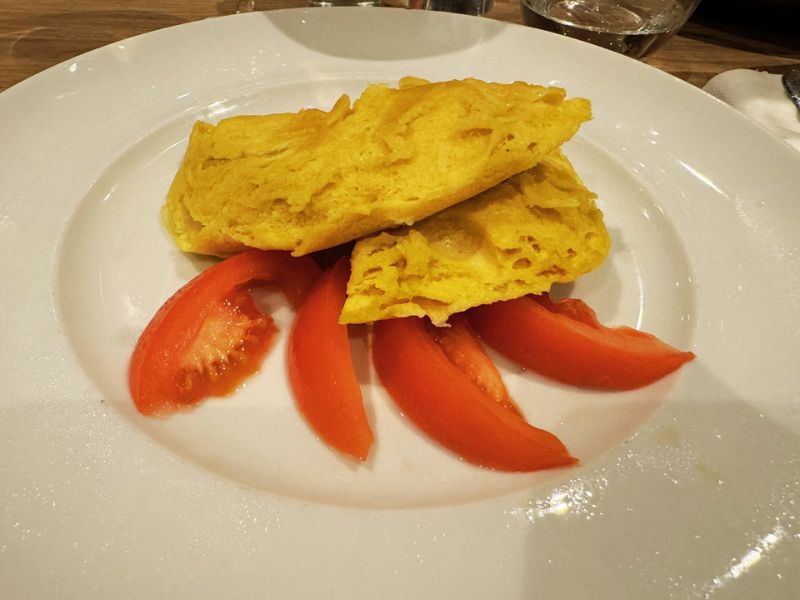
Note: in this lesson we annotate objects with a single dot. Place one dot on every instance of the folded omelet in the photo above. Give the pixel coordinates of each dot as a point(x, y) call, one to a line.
point(537, 228)
point(311, 180)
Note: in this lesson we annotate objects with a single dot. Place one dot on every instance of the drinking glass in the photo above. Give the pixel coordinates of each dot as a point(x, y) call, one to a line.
point(633, 27)
point(344, 2)
point(250, 5)
point(466, 7)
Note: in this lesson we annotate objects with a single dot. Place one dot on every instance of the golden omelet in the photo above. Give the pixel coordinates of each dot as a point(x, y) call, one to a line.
point(538, 228)
point(314, 179)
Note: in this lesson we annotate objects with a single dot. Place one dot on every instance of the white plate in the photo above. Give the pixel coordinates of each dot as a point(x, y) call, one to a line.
point(688, 489)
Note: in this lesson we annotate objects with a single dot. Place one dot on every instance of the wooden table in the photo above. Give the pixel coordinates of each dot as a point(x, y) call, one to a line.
point(36, 34)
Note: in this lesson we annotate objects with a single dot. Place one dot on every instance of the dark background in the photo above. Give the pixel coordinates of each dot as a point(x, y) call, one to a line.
point(767, 17)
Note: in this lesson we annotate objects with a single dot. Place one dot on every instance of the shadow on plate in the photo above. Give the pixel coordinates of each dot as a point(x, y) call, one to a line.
point(688, 508)
point(355, 33)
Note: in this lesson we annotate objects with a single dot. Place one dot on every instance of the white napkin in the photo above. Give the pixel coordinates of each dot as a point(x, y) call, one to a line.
point(762, 97)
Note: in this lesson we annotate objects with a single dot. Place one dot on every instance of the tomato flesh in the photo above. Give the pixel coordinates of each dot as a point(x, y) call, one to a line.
point(210, 335)
point(462, 347)
point(564, 341)
point(321, 369)
point(445, 404)
point(229, 346)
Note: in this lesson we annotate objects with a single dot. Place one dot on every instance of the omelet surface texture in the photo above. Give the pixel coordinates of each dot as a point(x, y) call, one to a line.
point(314, 179)
point(538, 228)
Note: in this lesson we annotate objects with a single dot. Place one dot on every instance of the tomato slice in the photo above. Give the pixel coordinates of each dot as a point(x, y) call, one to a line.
point(564, 341)
point(462, 347)
point(445, 404)
point(210, 335)
point(321, 369)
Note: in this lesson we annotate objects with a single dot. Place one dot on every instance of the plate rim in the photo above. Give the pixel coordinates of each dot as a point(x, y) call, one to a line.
point(507, 502)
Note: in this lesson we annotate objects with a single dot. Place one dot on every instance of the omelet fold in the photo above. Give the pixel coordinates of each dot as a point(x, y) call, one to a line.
point(538, 228)
point(315, 179)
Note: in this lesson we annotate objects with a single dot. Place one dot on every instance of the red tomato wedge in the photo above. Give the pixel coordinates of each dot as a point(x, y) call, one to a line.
point(564, 341)
point(209, 335)
point(462, 347)
point(321, 369)
point(445, 404)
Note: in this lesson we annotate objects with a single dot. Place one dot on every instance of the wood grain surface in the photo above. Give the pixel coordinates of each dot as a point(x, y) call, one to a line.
point(36, 34)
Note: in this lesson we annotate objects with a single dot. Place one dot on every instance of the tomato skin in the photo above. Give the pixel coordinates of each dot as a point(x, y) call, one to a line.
point(445, 404)
point(565, 341)
point(462, 347)
point(209, 335)
point(321, 369)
